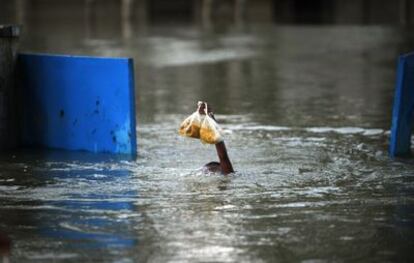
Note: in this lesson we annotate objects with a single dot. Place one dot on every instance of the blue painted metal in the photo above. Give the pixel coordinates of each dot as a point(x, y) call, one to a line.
point(78, 103)
point(402, 115)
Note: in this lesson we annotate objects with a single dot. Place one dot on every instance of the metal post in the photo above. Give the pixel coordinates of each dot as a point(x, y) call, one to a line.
point(403, 12)
point(239, 10)
point(402, 114)
point(88, 8)
point(141, 12)
point(21, 12)
point(8, 104)
point(126, 6)
point(206, 10)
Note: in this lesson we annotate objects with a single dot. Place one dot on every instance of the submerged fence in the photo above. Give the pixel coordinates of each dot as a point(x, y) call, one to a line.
point(65, 102)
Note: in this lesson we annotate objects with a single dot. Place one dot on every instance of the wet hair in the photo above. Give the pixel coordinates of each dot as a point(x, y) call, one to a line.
point(212, 167)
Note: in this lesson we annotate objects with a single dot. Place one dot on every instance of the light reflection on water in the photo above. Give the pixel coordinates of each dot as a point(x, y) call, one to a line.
point(306, 112)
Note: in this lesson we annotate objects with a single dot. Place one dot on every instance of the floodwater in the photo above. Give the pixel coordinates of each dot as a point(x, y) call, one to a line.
point(306, 113)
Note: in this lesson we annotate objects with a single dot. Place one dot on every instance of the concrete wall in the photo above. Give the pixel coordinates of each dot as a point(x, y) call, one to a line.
point(259, 11)
point(349, 11)
point(147, 12)
point(8, 104)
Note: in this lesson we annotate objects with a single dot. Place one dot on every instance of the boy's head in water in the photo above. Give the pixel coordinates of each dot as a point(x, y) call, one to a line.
point(212, 167)
point(224, 166)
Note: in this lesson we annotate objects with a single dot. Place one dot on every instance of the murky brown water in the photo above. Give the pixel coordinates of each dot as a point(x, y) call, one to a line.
point(306, 111)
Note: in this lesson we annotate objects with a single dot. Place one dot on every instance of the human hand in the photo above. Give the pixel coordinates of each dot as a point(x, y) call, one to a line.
point(202, 108)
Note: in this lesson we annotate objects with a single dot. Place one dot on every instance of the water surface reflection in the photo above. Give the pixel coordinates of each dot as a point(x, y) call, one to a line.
point(50, 196)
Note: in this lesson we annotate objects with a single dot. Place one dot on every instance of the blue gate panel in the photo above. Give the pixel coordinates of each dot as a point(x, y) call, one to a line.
point(78, 103)
point(402, 115)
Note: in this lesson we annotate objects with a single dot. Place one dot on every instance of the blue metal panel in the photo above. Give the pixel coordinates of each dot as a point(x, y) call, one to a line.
point(402, 115)
point(78, 103)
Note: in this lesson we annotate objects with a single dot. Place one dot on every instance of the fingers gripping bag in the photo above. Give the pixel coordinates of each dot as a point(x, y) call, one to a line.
point(190, 127)
point(210, 131)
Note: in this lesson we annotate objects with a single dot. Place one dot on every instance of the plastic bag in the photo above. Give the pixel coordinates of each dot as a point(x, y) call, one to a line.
point(190, 127)
point(210, 131)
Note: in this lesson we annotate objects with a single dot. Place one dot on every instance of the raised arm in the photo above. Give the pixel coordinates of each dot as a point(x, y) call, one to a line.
point(225, 164)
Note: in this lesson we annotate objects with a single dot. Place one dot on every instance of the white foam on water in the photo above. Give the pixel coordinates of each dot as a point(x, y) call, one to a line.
point(7, 180)
point(256, 127)
point(320, 191)
point(345, 130)
point(306, 204)
point(346, 238)
point(70, 227)
point(234, 117)
point(225, 207)
point(184, 57)
point(52, 256)
point(339, 130)
point(99, 176)
point(295, 205)
point(372, 132)
point(219, 253)
point(6, 188)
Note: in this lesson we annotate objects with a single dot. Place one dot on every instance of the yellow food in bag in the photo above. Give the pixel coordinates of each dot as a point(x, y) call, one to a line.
point(210, 131)
point(202, 127)
point(190, 127)
point(208, 136)
point(191, 130)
